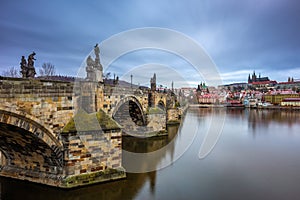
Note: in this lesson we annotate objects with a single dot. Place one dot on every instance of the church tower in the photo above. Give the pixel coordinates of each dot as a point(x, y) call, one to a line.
point(253, 77)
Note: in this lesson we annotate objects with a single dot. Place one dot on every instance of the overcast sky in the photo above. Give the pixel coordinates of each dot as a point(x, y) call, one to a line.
point(239, 36)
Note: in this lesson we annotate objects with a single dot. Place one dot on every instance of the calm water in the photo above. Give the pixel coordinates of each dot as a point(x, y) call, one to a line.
point(256, 157)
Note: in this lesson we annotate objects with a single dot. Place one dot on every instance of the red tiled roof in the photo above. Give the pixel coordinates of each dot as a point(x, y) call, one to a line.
point(263, 82)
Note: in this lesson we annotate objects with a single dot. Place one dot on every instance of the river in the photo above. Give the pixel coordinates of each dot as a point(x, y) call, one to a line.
point(255, 157)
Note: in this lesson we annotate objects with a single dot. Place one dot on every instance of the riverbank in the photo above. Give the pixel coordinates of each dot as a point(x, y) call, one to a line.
point(206, 106)
point(258, 107)
point(277, 108)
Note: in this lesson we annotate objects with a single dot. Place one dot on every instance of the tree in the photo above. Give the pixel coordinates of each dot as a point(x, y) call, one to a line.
point(47, 69)
point(11, 72)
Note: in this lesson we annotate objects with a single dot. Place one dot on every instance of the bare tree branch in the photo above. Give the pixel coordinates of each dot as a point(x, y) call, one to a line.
point(11, 72)
point(47, 69)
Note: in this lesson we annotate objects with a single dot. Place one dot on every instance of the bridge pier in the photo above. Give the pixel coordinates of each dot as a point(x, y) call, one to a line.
point(88, 156)
point(39, 141)
point(91, 157)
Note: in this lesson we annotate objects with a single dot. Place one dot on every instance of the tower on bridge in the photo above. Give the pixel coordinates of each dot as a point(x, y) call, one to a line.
point(151, 96)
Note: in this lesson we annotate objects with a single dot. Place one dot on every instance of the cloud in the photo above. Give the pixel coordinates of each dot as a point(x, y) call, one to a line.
point(245, 35)
point(236, 76)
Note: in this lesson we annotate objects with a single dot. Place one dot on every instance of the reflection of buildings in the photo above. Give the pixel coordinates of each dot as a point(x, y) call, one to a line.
point(258, 119)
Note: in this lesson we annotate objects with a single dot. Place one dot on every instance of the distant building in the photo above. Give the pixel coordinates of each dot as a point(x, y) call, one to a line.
point(292, 83)
point(264, 85)
point(290, 102)
point(187, 91)
point(234, 86)
point(276, 99)
point(260, 83)
point(254, 78)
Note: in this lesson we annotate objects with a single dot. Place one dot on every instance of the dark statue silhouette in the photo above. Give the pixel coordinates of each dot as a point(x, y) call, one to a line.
point(27, 68)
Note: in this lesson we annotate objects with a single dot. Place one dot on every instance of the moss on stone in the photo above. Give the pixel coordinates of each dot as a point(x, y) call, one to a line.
point(173, 122)
point(87, 122)
point(155, 110)
point(93, 177)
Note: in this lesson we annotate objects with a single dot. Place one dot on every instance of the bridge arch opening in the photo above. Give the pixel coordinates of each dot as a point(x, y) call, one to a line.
point(161, 105)
point(129, 112)
point(23, 151)
point(28, 148)
point(29, 124)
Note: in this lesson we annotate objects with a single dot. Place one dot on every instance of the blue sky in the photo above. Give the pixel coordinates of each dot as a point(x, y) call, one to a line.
point(239, 35)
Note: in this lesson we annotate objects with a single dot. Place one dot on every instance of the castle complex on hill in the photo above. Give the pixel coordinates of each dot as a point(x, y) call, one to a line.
point(254, 78)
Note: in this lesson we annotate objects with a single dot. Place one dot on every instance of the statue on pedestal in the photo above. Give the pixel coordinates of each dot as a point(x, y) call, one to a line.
point(94, 69)
point(31, 71)
point(23, 64)
point(27, 69)
point(90, 71)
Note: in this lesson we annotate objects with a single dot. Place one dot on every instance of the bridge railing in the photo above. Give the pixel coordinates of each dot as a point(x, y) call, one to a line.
point(109, 90)
point(12, 87)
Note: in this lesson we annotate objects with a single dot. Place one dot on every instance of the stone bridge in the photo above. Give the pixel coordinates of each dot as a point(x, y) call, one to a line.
point(68, 134)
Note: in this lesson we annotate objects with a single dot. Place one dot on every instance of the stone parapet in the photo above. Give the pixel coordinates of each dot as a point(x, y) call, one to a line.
point(19, 87)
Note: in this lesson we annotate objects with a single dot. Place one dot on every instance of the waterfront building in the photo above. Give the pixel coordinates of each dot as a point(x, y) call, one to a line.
point(276, 99)
point(209, 99)
point(290, 102)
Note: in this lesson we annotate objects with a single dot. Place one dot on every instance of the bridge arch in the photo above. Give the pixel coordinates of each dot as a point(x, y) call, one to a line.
point(129, 107)
point(27, 144)
point(161, 99)
point(161, 104)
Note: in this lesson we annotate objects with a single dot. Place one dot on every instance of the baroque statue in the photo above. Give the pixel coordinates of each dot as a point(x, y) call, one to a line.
point(94, 68)
point(27, 68)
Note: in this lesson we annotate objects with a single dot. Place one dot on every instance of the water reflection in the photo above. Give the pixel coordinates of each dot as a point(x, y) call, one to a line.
point(265, 118)
point(123, 189)
point(257, 157)
point(145, 145)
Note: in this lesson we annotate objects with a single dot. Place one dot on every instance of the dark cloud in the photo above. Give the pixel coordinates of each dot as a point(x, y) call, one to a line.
point(239, 36)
